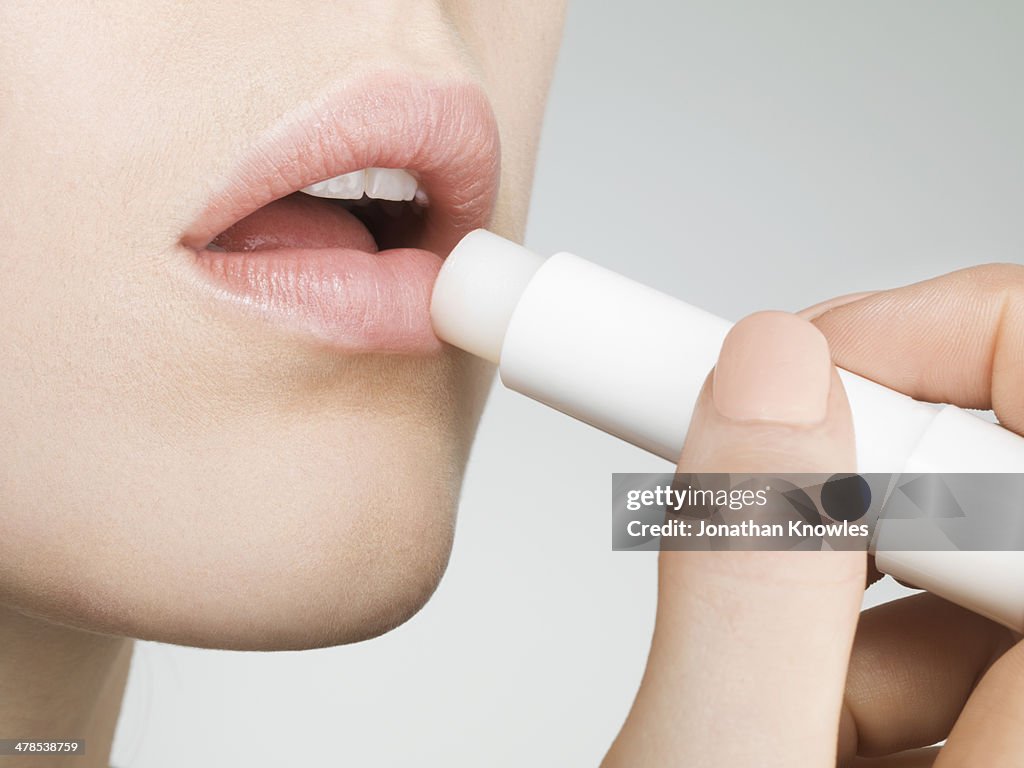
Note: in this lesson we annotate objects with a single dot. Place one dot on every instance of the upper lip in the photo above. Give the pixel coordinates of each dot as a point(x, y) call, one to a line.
point(445, 133)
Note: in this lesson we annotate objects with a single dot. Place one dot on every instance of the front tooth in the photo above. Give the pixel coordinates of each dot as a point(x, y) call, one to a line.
point(390, 184)
point(350, 186)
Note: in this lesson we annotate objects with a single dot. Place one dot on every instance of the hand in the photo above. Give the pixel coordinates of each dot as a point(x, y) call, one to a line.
point(921, 668)
point(756, 658)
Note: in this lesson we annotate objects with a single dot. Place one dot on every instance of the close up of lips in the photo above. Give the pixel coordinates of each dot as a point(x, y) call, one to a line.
point(338, 221)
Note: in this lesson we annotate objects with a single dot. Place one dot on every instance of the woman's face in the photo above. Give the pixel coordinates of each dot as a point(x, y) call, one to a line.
point(223, 419)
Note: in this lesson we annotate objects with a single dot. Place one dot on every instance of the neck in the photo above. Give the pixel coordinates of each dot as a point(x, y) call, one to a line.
point(60, 684)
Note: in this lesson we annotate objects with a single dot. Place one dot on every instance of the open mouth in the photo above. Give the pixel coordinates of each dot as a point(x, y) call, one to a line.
point(337, 224)
point(368, 210)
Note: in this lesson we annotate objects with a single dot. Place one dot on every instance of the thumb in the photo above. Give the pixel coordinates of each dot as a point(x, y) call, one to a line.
point(749, 657)
point(774, 403)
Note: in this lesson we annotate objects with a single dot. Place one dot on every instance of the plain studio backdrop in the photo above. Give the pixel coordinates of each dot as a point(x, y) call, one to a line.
point(739, 155)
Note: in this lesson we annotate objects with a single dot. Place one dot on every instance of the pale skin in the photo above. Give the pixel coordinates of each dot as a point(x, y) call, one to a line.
point(758, 657)
point(125, 414)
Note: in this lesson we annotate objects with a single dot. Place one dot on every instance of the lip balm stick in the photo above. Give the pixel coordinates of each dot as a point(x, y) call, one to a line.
point(631, 361)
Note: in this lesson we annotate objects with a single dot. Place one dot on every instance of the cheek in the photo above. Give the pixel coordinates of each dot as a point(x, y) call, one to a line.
point(515, 46)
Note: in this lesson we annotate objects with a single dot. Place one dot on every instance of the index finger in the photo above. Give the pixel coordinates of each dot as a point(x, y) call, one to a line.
point(954, 339)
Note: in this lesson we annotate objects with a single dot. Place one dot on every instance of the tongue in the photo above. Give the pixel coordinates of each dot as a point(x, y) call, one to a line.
point(298, 221)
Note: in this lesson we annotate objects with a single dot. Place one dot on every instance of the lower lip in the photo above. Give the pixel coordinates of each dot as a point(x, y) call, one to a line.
point(349, 299)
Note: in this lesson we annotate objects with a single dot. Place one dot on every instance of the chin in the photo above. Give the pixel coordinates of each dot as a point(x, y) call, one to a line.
point(292, 597)
point(253, 566)
point(359, 587)
point(344, 592)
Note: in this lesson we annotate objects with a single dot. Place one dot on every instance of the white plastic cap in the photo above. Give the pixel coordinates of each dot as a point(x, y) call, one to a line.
point(988, 583)
point(477, 290)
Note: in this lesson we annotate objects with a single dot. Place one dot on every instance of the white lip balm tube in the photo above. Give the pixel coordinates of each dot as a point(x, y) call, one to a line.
point(630, 360)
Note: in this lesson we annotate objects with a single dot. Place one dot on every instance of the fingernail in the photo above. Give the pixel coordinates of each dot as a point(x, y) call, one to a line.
point(828, 305)
point(773, 367)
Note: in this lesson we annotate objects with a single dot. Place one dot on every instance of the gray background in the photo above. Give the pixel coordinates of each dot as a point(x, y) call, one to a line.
point(741, 155)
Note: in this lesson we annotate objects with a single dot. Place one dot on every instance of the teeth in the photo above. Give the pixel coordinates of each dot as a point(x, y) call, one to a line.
point(347, 187)
point(389, 184)
point(376, 183)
